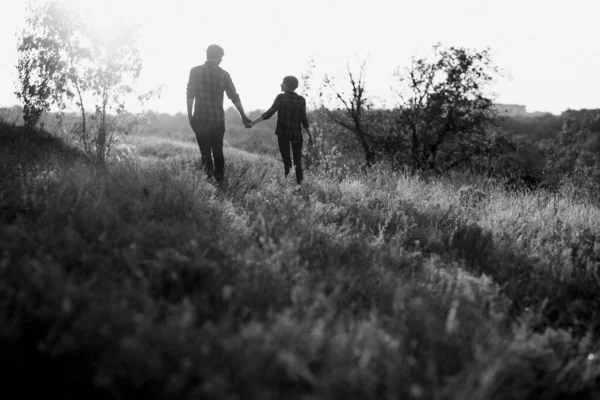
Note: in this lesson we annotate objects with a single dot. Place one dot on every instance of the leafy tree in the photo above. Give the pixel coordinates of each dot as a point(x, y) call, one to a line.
point(42, 77)
point(111, 78)
point(444, 107)
point(62, 59)
point(327, 134)
point(443, 116)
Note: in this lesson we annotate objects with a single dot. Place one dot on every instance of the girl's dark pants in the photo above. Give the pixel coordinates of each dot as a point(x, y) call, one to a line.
point(296, 154)
point(210, 141)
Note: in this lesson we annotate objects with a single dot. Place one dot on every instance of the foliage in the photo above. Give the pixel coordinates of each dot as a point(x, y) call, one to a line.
point(62, 59)
point(575, 152)
point(332, 151)
point(355, 105)
point(444, 107)
point(531, 128)
point(443, 117)
point(143, 280)
point(42, 66)
point(12, 115)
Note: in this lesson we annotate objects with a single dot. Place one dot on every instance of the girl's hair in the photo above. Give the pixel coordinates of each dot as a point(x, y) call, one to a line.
point(291, 81)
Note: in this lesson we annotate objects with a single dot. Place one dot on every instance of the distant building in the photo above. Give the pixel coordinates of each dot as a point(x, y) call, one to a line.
point(510, 110)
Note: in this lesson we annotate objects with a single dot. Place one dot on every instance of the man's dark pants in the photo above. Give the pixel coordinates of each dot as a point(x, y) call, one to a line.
point(296, 153)
point(210, 141)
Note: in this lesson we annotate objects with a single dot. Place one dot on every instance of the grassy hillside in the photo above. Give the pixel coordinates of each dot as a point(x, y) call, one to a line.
point(143, 280)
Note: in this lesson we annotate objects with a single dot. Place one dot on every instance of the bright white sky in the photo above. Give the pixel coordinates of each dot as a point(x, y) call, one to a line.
point(549, 47)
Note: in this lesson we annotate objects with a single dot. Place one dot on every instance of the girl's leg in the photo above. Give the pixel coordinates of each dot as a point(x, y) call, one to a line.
point(297, 153)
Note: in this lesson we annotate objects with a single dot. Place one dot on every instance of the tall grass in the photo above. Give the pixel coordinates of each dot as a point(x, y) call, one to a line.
point(144, 280)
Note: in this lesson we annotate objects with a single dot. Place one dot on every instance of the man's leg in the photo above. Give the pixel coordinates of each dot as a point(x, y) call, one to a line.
point(297, 153)
point(284, 149)
point(203, 138)
point(216, 143)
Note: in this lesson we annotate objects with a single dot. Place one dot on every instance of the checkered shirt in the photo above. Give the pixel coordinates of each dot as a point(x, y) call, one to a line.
point(206, 85)
point(291, 116)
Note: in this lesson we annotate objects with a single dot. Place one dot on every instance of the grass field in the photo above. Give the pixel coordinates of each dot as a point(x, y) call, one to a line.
point(142, 280)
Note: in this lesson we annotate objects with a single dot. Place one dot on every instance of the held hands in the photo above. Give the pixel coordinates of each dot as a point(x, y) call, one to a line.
point(247, 122)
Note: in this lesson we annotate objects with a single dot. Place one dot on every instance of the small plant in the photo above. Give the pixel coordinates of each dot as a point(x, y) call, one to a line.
point(470, 196)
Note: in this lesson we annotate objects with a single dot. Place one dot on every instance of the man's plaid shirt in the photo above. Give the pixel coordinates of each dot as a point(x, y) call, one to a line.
point(206, 84)
point(291, 116)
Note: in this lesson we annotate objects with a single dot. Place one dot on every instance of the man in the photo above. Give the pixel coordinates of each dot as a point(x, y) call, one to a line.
point(205, 88)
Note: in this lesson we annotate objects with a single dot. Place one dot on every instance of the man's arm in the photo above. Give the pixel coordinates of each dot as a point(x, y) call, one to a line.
point(240, 108)
point(235, 99)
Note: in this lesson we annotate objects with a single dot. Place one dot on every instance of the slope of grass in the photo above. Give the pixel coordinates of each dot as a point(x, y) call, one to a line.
point(144, 280)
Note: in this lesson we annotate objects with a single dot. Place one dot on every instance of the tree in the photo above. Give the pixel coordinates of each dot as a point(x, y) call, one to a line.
point(41, 65)
point(61, 59)
point(117, 66)
point(444, 106)
point(355, 105)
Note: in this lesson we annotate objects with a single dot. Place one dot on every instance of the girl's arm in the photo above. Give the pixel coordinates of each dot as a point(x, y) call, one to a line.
point(269, 113)
point(305, 124)
point(256, 121)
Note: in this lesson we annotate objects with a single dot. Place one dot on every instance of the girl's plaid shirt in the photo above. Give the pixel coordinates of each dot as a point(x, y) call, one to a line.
point(206, 84)
point(291, 116)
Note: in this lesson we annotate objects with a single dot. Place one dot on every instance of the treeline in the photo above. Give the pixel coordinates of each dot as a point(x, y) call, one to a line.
point(547, 126)
point(152, 123)
point(550, 148)
point(538, 149)
point(529, 152)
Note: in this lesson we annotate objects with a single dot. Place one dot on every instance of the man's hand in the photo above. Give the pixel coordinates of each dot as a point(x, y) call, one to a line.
point(246, 121)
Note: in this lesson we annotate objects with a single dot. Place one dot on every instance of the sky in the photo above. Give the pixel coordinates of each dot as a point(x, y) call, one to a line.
point(549, 49)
